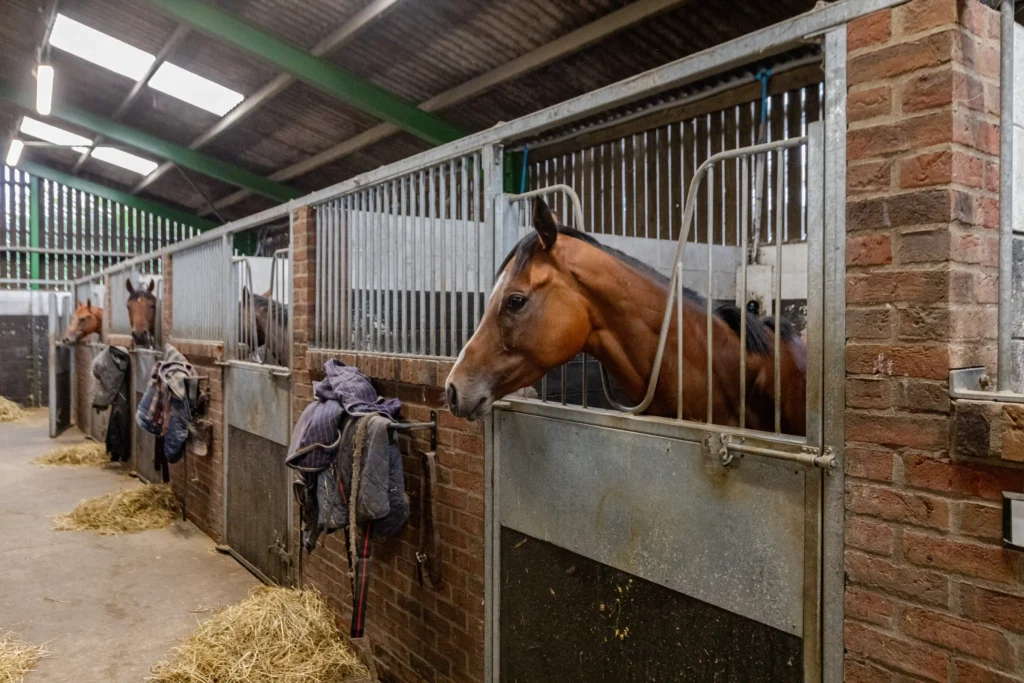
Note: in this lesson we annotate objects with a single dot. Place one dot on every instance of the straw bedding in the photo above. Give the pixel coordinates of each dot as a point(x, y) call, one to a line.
point(10, 411)
point(17, 658)
point(79, 454)
point(276, 635)
point(127, 510)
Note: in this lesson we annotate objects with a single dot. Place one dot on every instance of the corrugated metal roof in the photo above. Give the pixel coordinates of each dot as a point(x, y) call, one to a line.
point(417, 50)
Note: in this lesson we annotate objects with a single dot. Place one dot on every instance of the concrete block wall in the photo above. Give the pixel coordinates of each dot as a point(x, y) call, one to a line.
point(931, 593)
point(418, 634)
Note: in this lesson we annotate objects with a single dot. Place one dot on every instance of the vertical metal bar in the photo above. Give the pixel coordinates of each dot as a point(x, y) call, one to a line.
point(390, 248)
point(464, 266)
point(742, 298)
point(780, 186)
point(709, 305)
point(452, 218)
point(345, 209)
point(1006, 198)
point(321, 218)
point(445, 326)
point(405, 288)
point(680, 340)
point(422, 254)
point(828, 403)
point(378, 265)
point(434, 256)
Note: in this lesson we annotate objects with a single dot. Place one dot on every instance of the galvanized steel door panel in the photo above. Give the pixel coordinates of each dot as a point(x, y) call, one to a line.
point(260, 402)
point(659, 509)
point(143, 443)
point(257, 487)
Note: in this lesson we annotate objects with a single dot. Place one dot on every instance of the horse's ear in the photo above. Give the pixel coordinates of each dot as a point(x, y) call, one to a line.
point(128, 285)
point(544, 223)
point(78, 303)
point(88, 304)
point(152, 286)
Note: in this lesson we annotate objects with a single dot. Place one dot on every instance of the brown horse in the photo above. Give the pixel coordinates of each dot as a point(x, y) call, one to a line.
point(142, 314)
point(88, 319)
point(560, 292)
point(271, 324)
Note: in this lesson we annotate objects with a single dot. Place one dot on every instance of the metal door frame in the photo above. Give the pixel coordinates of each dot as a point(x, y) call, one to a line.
point(823, 503)
point(273, 373)
point(57, 321)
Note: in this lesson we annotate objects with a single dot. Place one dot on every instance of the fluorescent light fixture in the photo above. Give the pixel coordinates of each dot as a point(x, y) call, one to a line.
point(44, 88)
point(194, 89)
point(14, 152)
point(119, 157)
point(120, 57)
point(99, 48)
point(53, 134)
point(111, 155)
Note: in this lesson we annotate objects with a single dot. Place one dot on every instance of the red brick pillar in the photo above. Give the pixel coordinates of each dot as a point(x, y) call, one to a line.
point(930, 592)
point(167, 303)
point(303, 307)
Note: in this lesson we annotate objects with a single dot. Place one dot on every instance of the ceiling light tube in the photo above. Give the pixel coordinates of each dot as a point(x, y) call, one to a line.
point(14, 152)
point(44, 88)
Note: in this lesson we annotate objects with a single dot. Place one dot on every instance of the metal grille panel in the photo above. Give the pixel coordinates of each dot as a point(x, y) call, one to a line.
point(198, 292)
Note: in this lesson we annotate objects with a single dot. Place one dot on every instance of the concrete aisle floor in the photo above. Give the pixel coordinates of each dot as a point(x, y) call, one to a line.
point(108, 607)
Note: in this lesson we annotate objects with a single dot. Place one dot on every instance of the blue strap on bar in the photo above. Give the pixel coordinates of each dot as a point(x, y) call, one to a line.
point(522, 181)
point(764, 75)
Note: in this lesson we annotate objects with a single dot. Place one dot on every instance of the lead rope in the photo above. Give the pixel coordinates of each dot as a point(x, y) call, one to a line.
point(428, 568)
point(359, 558)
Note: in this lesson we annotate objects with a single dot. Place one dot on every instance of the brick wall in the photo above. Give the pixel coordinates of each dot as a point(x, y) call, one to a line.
point(931, 594)
point(418, 634)
point(199, 480)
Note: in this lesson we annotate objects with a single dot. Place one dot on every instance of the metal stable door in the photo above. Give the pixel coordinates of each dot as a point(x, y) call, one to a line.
point(257, 426)
point(61, 365)
point(256, 482)
point(623, 549)
point(143, 443)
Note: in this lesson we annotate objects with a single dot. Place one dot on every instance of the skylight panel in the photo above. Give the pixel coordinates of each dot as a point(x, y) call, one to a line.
point(194, 89)
point(99, 48)
point(111, 155)
point(119, 157)
point(53, 134)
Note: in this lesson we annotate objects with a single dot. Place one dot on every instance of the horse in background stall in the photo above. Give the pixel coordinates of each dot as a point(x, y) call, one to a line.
point(142, 314)
point(560, 292)
point(271, 321)
point(88, 319)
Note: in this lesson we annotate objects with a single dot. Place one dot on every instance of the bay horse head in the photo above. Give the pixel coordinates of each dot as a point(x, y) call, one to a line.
point(142, 314)
point(536, 319)
point(88, 319)
point(559, 292)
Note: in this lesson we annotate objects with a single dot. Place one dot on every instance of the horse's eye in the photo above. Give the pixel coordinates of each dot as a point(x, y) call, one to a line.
point(515, 303)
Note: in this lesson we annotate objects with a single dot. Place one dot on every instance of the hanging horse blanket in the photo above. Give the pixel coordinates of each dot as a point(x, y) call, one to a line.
point(344, 451)
point(111, 389)
point(164, 409)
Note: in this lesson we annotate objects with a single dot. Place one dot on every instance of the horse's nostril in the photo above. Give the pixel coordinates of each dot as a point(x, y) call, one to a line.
point(453, 398)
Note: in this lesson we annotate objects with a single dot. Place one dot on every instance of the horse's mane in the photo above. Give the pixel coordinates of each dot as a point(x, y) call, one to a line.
point(523, 251)
point(758, 339)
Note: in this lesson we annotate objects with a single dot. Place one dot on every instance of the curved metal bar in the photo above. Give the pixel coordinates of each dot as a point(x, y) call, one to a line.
point(691, 198)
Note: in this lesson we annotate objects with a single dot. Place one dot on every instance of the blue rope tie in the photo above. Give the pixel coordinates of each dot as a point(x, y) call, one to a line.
point(522, 182)
point(764, 75)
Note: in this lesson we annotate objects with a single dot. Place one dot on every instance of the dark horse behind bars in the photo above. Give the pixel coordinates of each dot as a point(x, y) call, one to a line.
point(142, 314)
point(271, 320)
point(560, 292)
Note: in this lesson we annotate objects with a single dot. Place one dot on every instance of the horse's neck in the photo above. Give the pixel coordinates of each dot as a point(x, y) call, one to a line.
point(627, 309)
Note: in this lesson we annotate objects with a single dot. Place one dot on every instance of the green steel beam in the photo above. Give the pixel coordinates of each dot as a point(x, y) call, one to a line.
point(35, 219)
point(197, 161)
point(315, 71)
point(155, 208)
